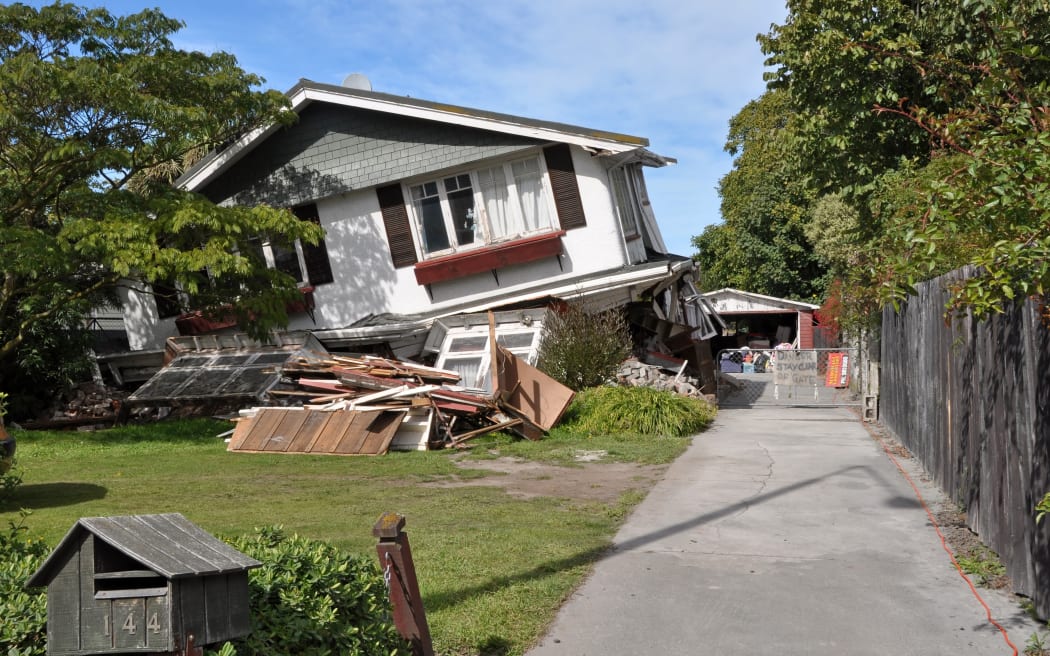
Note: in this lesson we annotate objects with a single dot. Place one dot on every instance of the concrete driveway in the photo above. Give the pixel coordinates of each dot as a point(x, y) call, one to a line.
point(782, 531)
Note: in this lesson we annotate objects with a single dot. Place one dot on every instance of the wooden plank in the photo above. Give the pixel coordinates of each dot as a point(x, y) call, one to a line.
point(315, 424)
point(463, 437)
point(323, 384)
point(533, 395)
point(335, 430)
point(356, 434)
point(380, 432)
point(285, 431)
point(256, 430)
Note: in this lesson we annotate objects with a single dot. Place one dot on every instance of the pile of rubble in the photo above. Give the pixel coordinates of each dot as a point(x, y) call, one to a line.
point(660, 375)
point(367, 405)
point(87, 406)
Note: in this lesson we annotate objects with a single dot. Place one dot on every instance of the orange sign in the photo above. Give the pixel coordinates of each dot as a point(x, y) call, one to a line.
point(838, 370)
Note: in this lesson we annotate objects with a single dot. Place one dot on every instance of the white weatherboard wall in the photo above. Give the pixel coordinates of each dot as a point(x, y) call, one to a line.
point(366, 281)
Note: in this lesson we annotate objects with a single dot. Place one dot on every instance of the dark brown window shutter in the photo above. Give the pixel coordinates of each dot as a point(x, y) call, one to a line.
point(398, 230)
point(563, 183)
point(318, 266)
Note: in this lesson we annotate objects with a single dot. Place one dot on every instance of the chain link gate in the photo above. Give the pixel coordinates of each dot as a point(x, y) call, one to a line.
point(786, 377)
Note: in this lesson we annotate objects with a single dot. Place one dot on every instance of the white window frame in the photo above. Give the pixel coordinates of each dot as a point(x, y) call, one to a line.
point(483, 231)
point(483, 354)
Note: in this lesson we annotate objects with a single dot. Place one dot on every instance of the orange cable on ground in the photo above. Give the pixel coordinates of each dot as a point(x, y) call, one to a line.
point(944, 542)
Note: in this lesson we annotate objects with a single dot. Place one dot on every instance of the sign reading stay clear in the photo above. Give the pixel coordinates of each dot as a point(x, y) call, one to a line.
point(795, 368)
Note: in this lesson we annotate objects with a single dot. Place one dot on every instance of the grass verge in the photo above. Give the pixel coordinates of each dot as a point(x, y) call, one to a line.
point(493, 568)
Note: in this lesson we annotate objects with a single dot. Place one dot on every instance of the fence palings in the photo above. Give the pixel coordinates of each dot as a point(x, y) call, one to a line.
point(971, 400)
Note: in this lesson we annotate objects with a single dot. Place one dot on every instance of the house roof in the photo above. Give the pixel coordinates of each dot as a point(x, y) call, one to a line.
point(306, 92)
point(169, 544)
point(758, 302)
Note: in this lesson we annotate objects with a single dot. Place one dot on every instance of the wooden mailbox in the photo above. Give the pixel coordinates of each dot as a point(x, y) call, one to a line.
point(142, 584)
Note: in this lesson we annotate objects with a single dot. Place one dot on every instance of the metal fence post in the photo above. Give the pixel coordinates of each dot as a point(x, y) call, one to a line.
point(395, 559)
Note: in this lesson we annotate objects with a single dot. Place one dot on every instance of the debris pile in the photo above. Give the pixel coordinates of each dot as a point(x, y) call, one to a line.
point(368, 405)
point(660, 375)
point(87, 406)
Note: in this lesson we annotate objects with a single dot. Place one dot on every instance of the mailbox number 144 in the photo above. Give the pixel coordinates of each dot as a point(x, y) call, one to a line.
point(130, 627)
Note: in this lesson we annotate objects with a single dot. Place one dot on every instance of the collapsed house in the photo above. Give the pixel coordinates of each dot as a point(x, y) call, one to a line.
point(433, 216)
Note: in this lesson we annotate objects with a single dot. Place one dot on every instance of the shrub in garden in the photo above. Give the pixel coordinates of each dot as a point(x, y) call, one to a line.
point(639, 411)
point(23, 613)
point(581, 350)
point(309, 598)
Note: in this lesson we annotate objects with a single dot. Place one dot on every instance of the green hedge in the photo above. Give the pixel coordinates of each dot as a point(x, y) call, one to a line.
point(309, 598)
point(23, 613)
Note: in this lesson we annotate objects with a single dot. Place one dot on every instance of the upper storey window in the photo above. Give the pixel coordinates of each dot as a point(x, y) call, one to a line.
point(481, 207)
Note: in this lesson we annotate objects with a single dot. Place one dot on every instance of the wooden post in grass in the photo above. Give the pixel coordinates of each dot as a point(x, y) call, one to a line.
point(395, 559)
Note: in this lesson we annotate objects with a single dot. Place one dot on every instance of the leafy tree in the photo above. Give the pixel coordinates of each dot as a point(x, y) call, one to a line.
point(987, 201)
point(98, 114)
point(762, 246)
point(929, 121)
point(826, 57)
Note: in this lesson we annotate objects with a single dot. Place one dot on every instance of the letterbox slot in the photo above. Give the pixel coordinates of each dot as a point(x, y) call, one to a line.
point(119, 577)
point(132, 583)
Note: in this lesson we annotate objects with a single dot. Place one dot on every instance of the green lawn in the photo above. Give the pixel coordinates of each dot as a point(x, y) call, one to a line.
point(493, 569)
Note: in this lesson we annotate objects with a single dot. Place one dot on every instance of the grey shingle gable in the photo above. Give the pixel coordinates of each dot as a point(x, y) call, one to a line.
point(334, 149)
point(307, 94)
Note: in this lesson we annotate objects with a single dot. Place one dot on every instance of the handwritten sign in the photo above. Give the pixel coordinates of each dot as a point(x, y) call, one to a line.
point(795, 368)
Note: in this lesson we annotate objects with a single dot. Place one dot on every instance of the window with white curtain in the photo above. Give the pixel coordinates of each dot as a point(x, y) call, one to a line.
point(483, 207)
point(466, 350)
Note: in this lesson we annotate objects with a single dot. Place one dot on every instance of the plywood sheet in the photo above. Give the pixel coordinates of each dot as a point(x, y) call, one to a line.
point(530, 393)
point(294, 430)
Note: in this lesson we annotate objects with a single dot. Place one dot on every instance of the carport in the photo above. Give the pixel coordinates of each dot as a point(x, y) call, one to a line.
point(761, 322)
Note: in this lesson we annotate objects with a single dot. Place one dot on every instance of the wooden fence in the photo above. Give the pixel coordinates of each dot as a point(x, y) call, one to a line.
point(971, 400)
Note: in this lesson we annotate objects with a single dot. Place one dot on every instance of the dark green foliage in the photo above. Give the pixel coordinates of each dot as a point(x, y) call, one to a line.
point(309, 598)
point(762, 246)
point(582, 350)
point(52, 359)
point(23, 613)
point(1042, 508)
point(101, 113)
point(638, 411)
point(10, 479)
point(927, 121)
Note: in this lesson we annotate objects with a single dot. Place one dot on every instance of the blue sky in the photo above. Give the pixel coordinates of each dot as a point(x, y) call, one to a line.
point(673, 71)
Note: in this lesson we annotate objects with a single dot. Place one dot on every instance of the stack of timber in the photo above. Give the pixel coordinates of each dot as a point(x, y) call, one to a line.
point(366, 405)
